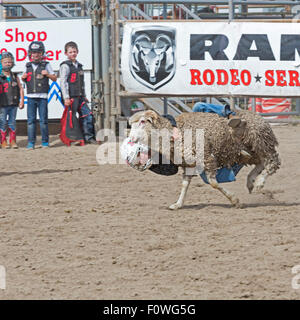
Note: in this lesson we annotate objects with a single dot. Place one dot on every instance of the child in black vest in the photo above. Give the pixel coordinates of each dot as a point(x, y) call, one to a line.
point(11, 97)
point(73, 92)
point(37, 75)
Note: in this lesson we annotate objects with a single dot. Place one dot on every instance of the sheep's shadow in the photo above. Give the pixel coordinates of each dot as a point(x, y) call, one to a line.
point(43, 171)
point(244, 205)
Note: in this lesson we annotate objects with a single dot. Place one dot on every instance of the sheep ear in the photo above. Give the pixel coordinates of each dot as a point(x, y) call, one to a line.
point(151, 116)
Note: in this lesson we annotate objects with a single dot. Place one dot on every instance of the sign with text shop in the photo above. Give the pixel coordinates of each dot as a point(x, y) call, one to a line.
point(16, 35)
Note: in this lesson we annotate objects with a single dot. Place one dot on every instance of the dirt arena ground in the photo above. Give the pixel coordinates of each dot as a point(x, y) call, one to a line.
point(72, 229)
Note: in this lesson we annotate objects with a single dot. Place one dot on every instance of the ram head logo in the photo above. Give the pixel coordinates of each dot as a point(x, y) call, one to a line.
point(152, 60)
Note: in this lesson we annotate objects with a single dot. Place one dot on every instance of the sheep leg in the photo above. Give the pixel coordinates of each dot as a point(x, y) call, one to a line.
point(230, 196)
point(253, 175)
point(186, 179)
point(270, 167)
point(261, 179)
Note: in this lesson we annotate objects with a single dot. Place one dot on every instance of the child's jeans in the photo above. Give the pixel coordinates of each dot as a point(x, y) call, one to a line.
point(86, 119)
point(9, 112)
point(41, 105)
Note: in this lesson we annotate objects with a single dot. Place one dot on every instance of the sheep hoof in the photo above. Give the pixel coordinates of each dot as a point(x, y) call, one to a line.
point(239, 206)
point(258, 184)
point(236, 203)
point(257, 189)
point(175, 206)
point(250, 189)
point(250, 185)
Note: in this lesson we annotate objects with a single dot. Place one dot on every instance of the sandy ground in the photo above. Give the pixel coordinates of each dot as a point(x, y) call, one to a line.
point(72, 229)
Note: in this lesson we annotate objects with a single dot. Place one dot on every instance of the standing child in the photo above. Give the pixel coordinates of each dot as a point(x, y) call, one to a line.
point(37, 75)
point(75, 101)
point(11, 97)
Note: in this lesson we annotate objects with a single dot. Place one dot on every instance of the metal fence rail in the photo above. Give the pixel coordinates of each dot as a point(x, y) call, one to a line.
point(21, 2)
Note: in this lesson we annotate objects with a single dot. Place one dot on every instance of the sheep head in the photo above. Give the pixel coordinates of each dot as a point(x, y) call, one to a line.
point(141, 125)
point(154, 131)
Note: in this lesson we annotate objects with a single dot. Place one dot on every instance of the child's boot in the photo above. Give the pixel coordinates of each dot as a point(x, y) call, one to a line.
point(3, 140)
point(12, 139)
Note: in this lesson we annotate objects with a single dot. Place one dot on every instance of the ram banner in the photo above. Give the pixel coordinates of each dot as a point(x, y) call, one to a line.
point(16, 35)
point(212, 58)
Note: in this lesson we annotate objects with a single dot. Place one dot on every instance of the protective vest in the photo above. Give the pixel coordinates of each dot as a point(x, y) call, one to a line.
point(75, 80)
point(36, 82)
point(9, 90)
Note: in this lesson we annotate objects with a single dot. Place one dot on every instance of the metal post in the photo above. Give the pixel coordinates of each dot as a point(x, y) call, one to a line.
point(298, 106)
point(230, 10)
point(253, 104)
point(165, 98)
point(113, 68)
point(105, 61)
point(230, 18)
point(96, 89)
point(165, 11)
point(2, 13)
point(117, 57)
point(165, 105)
point(232, 103)
point(244, 8)
point(82, 8)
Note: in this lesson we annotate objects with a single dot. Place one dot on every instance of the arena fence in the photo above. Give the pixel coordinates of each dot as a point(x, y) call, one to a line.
point(116, 12)
point(108, 16)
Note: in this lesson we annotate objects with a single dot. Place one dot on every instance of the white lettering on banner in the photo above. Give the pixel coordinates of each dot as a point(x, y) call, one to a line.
point(212, 58)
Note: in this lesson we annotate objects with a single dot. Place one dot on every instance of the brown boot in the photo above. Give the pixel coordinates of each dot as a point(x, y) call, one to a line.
point(14, 145)
point(12, 139)
point(4, 144)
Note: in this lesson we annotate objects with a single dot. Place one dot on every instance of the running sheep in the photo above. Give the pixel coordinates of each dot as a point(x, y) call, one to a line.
point(223, 146)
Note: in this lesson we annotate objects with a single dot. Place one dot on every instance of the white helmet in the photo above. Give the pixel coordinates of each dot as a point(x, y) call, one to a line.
point(130, 152)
